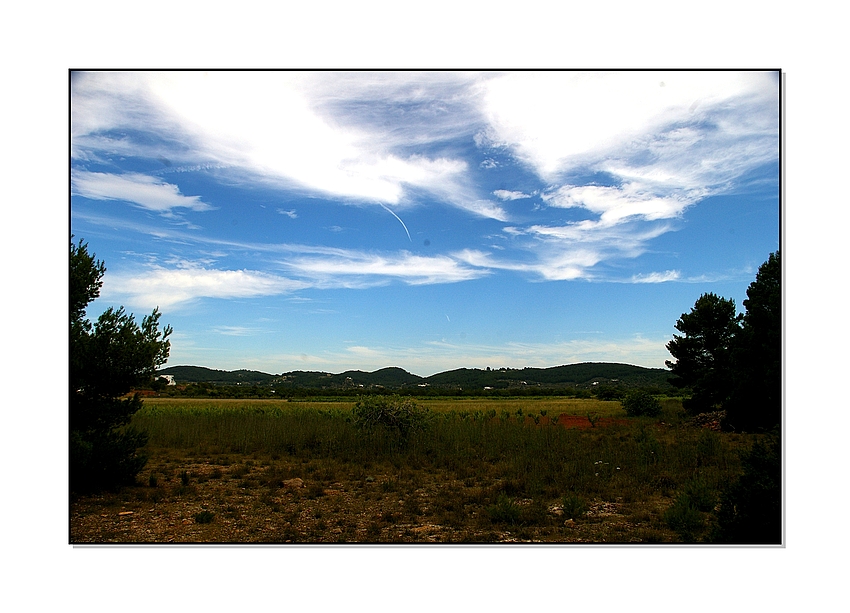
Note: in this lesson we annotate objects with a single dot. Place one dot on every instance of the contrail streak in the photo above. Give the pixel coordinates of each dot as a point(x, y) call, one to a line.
point(399, 220)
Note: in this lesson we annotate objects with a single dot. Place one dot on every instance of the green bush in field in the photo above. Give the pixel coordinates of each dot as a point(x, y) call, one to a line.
point(402, 415)
point(639, 402)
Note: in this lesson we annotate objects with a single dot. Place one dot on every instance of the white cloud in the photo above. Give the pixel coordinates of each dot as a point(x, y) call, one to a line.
point(665, 139)
point(357, 269)
point(562, 253)
point(142, 190)
point(504, 194)
point(657, 277)
point(167, 288)
point(364, 352)
point(236, 330)
point(615, 204)
point(563, 120)
point(297, 128)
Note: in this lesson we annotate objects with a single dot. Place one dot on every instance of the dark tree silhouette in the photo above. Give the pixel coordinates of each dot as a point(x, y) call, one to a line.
point(756, 400)
point(703, 352)
point(107, 360)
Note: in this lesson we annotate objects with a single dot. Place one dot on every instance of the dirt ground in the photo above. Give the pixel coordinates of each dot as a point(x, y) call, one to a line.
point(232, 499)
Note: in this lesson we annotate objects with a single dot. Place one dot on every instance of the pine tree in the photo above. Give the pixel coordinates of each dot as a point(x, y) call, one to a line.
point(107, 360)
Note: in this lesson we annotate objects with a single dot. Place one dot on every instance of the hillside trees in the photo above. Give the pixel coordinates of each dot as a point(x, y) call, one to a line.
point(107, 359)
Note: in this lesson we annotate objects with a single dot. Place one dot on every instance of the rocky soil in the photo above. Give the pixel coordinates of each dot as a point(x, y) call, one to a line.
point(231, 499)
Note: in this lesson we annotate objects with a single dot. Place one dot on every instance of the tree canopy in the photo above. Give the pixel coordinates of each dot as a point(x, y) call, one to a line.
point(703, 352)
point(756, 398)
point(734, 362)
point(107, 360)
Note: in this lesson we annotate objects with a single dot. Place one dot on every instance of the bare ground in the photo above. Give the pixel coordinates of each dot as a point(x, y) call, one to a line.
point(279, 499)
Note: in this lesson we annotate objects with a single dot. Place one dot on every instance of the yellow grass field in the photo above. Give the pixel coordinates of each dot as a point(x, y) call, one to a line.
point(553, 406)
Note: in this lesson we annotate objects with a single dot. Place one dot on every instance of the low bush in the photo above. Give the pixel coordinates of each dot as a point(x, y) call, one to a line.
point(402, 415)
point(641, 403)
point(204, 517)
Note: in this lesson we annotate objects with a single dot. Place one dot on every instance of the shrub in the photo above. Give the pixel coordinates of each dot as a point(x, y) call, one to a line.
point(204, 517)
point(395, 413)
point(638, 403)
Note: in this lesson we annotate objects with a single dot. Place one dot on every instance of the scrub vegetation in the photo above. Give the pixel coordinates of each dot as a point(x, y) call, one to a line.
point(458, 470)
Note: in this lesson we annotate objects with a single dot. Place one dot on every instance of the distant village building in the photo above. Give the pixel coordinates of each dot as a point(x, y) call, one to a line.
point(169, 378)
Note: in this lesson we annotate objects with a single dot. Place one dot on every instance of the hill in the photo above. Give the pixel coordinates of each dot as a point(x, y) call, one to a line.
point(583, 375)
point(199, 374)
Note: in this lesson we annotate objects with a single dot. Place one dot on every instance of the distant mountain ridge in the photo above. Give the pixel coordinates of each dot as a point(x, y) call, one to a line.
point(581, 375)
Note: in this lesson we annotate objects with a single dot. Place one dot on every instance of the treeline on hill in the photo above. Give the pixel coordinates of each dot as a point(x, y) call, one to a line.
point(602, 380)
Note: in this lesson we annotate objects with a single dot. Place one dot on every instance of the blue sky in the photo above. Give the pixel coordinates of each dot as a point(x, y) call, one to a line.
point(302, 220)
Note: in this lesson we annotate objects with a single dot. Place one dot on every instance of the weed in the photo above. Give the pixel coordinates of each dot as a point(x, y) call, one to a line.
point(504, 511)
point(684, 518)
point(698, 493)
point(574, 506)
point(314, 490)
point(204, 517)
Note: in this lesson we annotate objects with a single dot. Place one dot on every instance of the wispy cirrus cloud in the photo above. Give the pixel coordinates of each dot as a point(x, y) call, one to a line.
point(348, 268)
point(141, 190)
point(296, 129)
point(657, 277)
point(616, 204)
point(654, 144)
point(236, 330)
point(662, 142)
point(568, 252)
